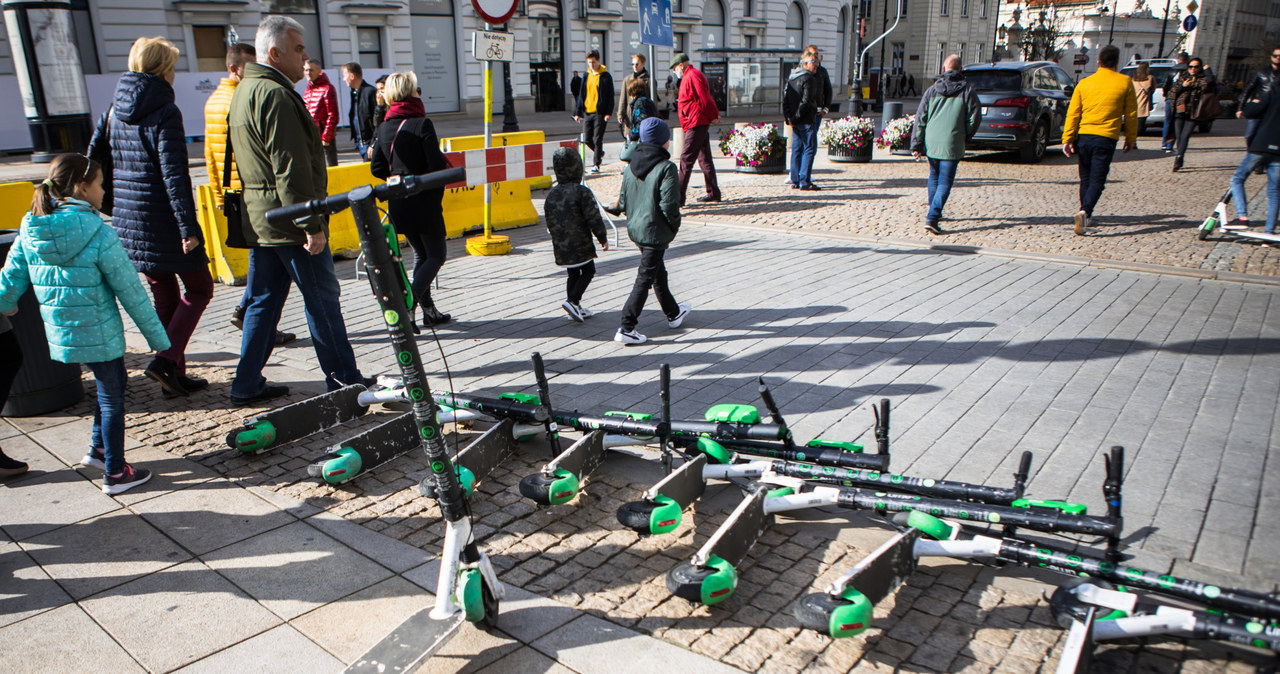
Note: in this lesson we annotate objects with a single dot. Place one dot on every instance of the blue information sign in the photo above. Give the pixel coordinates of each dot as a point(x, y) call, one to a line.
point(1189, 23)
point(655, 23)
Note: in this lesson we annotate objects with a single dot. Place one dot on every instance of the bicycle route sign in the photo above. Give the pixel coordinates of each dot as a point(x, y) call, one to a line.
point(495, 11)
point(492, 46)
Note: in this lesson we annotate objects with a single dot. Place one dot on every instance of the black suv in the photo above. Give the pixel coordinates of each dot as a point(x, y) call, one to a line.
point(1024, 106)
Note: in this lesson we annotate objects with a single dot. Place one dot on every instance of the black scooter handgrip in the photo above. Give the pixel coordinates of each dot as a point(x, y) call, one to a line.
point(407, 186)
point(723, 430)
point(288, 214)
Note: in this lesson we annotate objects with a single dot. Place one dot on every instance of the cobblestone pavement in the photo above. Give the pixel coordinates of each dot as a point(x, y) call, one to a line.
point(1147, 213)
point(983, 356)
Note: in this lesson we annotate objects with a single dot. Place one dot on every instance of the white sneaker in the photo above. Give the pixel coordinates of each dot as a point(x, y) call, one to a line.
point(93, 459)
point(629, 337)
point(572, 310)
point(585, 312)
point(595, 169)
point(676, 322)
point(1081, 219)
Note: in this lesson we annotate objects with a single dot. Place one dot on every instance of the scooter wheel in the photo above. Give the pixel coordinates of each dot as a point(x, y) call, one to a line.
point(316, 468)
point(837, 617)
point(550, 489)
point(659, 516)
point(537, 487)
point(490, 602)
point(1205, 229)
point(710, 584)
point(470, 594)
point(1066, 607)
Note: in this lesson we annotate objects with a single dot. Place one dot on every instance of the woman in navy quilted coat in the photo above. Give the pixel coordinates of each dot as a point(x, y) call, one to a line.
point(142, 142)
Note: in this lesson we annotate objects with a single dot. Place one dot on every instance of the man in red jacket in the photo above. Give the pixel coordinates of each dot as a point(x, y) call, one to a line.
point(697, 113)
point(322, 102)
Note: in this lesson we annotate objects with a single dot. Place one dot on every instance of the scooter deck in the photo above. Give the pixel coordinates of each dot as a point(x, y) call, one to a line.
point(735, 538)
point(879, 574)
point(409, 645)
point(298, 420)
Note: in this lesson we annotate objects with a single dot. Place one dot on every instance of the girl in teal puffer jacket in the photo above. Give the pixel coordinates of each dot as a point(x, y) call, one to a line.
point(75, 264)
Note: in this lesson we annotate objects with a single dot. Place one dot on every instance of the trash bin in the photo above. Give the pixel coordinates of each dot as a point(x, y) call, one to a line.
point(892, 110)
point(43, 385)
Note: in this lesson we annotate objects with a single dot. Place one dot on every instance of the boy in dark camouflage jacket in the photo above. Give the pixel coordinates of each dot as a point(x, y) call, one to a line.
point(573, 216)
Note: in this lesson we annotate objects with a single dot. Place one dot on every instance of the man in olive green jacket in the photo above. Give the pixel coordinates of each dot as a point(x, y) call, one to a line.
point(278, 153)
point(948, 116)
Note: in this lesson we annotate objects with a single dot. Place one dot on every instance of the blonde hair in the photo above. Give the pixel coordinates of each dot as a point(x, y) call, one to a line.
point(153, 55)
point(400, 87)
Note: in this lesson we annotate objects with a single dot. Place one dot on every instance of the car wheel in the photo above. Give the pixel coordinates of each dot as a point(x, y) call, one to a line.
point(1033, 151)
point(1205, 127)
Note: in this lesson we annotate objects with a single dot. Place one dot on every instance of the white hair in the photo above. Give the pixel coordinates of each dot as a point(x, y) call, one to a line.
point(271, 33)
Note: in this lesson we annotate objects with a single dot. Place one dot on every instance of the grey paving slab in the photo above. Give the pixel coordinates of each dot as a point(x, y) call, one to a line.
point(178, 615)
point(48, 500)
point(90, 556)
point(62, 640)
point(211, 515)
point(590, 643)
point(281, 649)
point(351, 625)
point(526, 660)
point(27, 590)
point(295, 569)
point(472, 650)
point(389, 552)
point(69, 441)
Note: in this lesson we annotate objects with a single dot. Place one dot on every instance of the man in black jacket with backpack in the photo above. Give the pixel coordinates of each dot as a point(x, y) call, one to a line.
point(363, 101)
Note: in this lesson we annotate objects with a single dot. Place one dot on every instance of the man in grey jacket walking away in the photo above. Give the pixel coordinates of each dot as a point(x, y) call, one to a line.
point(948, 115)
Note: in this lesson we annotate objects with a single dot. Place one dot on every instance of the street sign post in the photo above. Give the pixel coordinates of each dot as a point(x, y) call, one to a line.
point(489, 46)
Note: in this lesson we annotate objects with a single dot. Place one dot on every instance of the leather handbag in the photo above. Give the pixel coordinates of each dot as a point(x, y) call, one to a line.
point(103, 157)
point(1207, 108)
point(232, 205)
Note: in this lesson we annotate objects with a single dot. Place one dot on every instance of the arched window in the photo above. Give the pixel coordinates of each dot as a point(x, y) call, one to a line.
point(795, 27)
point(713, 25)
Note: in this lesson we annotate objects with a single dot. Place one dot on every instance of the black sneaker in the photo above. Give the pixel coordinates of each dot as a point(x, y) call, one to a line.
point(10, 467)
point(162, 370)
point(237, 318)
point(129, 478)
point(271, 392)
point(192, 384)
point(708, 199)
point(932, 228)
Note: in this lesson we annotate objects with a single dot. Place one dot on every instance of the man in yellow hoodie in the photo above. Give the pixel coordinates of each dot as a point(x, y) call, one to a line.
point(594, 105)
point(1101, 104)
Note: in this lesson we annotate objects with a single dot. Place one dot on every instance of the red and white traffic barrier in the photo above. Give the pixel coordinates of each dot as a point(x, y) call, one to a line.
point(512, 162)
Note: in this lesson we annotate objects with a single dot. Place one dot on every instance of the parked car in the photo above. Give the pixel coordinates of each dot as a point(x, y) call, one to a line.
point(1160, 69)
point(1024, 106)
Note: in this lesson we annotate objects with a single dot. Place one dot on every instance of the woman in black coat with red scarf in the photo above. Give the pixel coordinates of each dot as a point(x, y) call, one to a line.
point(406, 144)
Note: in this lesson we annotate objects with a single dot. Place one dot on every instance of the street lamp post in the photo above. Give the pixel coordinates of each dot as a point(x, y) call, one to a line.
point(1164, 23)
point(1112, 34)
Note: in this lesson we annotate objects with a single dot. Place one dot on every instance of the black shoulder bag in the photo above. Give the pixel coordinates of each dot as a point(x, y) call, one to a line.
point(232, 203)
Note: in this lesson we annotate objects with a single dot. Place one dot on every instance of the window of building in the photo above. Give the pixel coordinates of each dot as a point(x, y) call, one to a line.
point(864, 6)
point(984, 9)
point(82, 30)
point(748, 7)
point(211, 48)
point(945, 7)
point(942, 52)
point(960, 53)
point(964, 8)
point(599, 41)
point(749, 41)
point(677, 6)
point(680, 43)
point(713, 25)
point(304, 12)
point(593, 4)
point(369, 46)
point(977, 56)
point(795, 27)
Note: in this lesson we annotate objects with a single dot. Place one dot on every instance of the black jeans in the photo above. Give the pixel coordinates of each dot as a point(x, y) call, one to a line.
point(579, 279)
point(1095, 163)
point(11, 365)
point(428, 257)
point(652, 272)
point(1183, 126)
point(593, 125)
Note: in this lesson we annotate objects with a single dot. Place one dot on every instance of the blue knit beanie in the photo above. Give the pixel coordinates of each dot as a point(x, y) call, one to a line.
point(654, 130)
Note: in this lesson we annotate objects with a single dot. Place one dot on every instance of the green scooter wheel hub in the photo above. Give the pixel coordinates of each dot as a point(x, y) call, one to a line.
point(564, 487)
point(466, 479)
point(345, 466)
point(666, 517)
point(470, 595)
point(714, 451)
point(853, 618)
point(254, 439)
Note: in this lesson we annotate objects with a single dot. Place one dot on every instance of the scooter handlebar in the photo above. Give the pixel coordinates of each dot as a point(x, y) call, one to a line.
point(397, 187)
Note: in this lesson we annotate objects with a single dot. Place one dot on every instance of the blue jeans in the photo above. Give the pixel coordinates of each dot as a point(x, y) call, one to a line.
point(1250, 128)
point(1238, 197)
point(108, 412)
point(274, 269)
point(802, 154)
point(1273, 195)
point(942, 173)
point(1166, 136)
point(363, 149)
point(248, 285)
point(1095, 163)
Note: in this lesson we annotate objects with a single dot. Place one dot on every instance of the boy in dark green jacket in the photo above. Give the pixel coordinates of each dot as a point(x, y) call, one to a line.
point(651, 199)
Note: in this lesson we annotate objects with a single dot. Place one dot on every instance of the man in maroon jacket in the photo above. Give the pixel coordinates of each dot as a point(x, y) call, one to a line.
point(697, 113)
point(322, 102)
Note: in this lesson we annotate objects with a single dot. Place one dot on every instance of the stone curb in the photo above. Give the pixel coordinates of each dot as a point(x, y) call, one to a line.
point(1203, 274)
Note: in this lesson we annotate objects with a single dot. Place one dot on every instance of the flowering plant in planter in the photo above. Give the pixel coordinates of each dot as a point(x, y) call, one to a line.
point(847, 135)
point(896, 135)
point(753, 144)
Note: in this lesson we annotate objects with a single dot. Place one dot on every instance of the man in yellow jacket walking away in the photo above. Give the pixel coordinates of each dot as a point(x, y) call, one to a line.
point(1100, 105)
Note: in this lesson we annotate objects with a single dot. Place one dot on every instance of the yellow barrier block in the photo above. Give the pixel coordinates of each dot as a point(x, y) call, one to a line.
point(489, 245)
point(463, 143)
point(227, 265)
point(15, 201)
point(344, 241)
